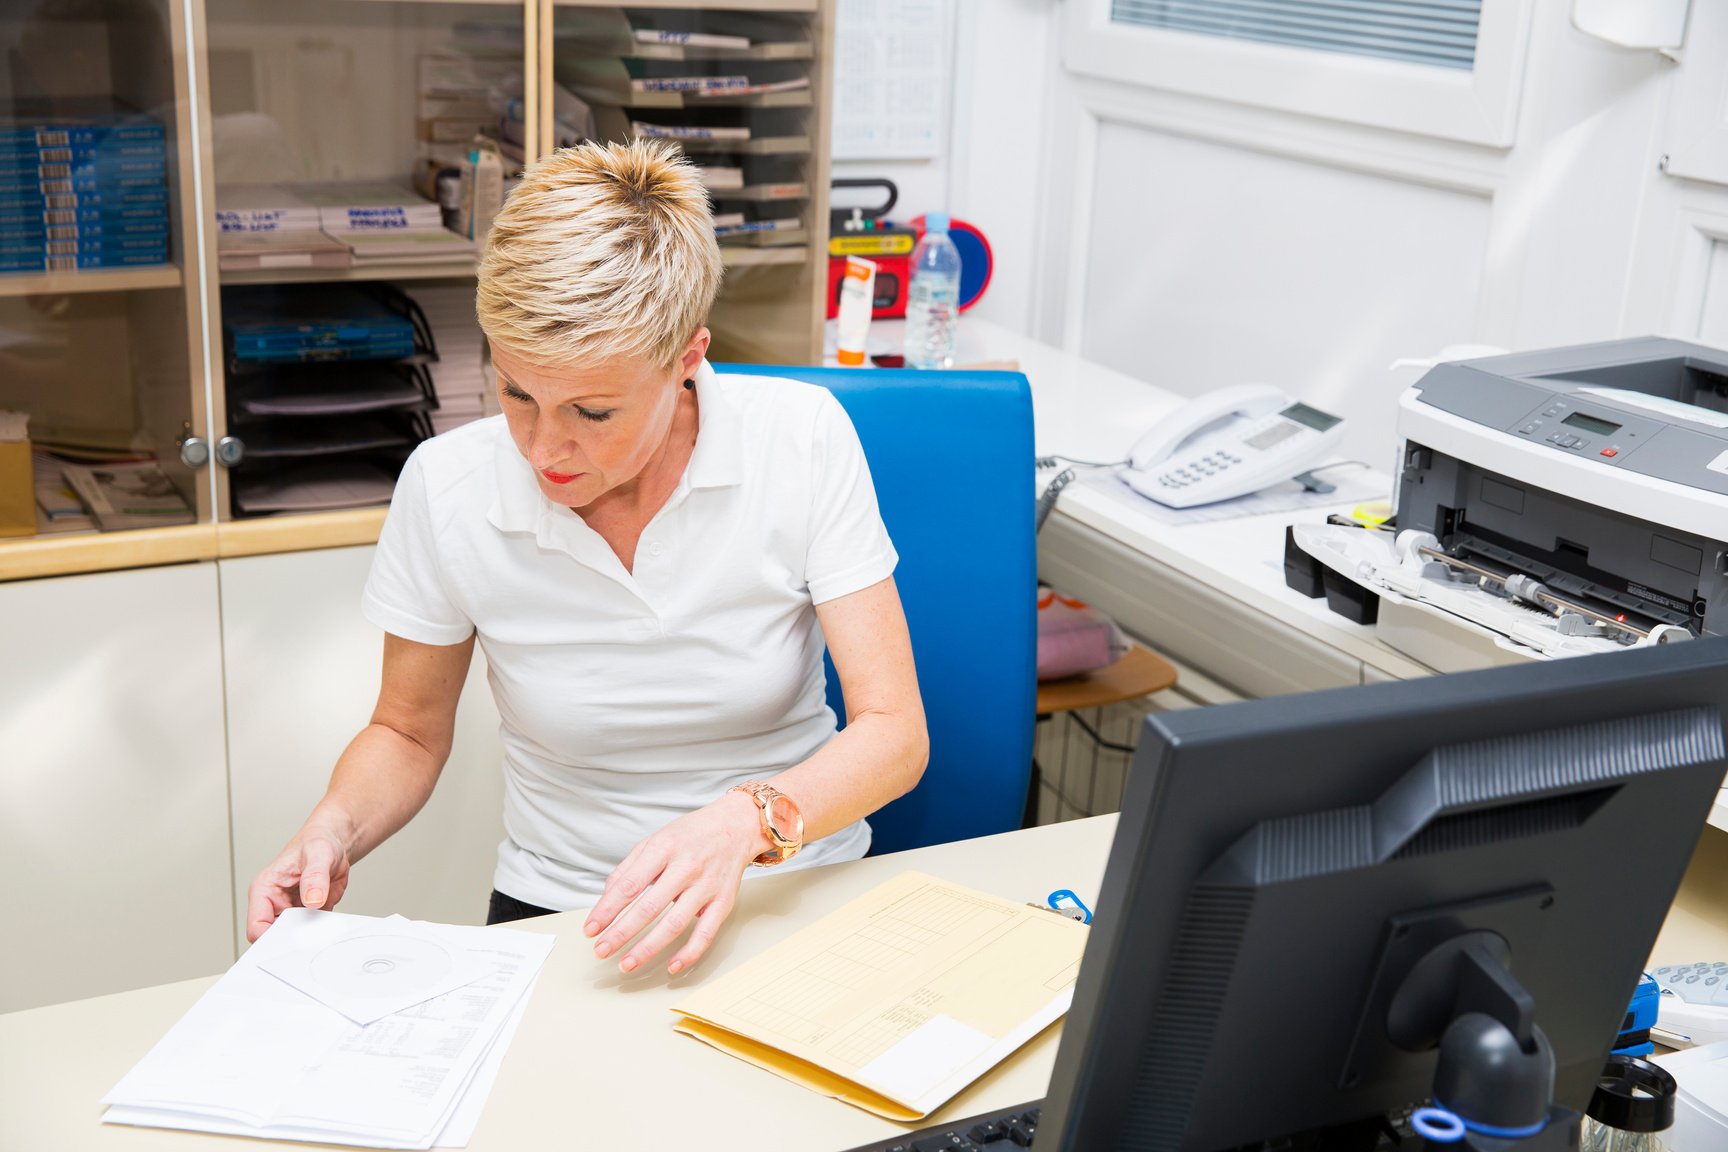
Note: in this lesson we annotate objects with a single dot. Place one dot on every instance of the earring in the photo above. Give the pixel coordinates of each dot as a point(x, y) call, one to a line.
point(690, 384)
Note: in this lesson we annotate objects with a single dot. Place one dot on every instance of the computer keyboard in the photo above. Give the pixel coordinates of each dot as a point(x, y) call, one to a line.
point(989, 1132)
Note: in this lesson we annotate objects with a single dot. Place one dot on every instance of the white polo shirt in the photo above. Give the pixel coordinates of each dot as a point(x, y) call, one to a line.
point(630, 698)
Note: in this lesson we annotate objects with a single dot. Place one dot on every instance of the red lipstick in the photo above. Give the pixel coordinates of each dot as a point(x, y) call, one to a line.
point(559, 477)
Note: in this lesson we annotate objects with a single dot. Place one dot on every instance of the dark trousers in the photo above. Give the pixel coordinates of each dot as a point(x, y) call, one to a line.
point(504, 909)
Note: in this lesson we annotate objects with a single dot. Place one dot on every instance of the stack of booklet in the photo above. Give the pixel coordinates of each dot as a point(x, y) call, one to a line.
point(269, 226)
point(384, 222)
point(382, 1033)
point(331, 225)
point(82, 193)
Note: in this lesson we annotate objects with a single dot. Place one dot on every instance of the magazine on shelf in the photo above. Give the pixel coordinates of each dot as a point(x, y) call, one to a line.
point(135, 494)
point(747, 89)
point(241, 251)
point(690, 39)
point(690, 131)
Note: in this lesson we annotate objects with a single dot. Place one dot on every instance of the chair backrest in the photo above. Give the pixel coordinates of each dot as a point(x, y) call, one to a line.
point(951, 457)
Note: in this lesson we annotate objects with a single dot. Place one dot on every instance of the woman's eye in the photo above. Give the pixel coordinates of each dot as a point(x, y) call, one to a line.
point(591, 414)
point(518, 395)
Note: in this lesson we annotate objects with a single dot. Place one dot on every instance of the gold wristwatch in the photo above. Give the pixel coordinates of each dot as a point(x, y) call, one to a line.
point(781, 821)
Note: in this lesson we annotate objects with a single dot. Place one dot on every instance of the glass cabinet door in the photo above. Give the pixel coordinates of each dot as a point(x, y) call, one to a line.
point(358, 151)
point(101, 349)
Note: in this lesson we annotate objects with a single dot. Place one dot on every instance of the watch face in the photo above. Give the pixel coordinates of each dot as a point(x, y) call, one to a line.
point(785, 819)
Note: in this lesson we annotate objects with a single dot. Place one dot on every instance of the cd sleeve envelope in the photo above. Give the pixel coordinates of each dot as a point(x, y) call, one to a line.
point(897, 1001)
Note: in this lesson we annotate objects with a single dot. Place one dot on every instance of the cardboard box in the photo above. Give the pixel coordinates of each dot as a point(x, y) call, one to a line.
point(17, 489)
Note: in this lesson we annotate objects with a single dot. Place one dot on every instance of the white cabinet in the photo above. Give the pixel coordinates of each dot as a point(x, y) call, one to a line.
point(113, 784)
point(302, 674)
point(163, 731)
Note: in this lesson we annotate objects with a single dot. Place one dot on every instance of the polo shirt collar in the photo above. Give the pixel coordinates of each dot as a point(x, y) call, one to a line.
point(716, 462)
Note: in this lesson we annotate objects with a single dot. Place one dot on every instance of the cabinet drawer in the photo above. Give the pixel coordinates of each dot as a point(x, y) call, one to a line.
point(1240, 647)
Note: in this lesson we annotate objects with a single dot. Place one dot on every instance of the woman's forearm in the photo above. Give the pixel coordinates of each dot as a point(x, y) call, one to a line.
point(380, 782)
point(877, 757)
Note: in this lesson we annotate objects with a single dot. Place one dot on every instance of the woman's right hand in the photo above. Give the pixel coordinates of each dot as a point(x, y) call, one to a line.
point(312, 872)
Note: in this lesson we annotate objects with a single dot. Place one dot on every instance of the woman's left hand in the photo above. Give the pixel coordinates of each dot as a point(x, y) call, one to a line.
point(688, 872)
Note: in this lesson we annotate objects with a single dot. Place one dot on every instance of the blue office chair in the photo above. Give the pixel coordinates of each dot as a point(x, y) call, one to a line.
point(951, 456)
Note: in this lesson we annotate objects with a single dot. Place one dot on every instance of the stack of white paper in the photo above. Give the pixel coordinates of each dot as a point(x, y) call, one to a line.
point(383, 1033)
point(381, 222)
point(269, 226)
point(459, 378)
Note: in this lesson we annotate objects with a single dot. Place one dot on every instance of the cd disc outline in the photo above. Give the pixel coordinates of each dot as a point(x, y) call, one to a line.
point(381, 965)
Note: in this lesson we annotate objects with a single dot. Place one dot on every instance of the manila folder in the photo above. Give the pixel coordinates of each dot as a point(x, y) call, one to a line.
point(898, 1000)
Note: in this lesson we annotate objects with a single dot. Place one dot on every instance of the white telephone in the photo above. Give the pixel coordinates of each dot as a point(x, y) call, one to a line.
point(1229, 443)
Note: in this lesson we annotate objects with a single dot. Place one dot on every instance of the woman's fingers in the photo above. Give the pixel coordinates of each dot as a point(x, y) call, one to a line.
point(317, 861)
point(264, 903)
point(668, 928)
point(707, 925)
point(628, 881)
point(667, 887)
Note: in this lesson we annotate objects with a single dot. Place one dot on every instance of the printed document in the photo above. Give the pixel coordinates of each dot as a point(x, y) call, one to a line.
point(258, 1056)
point(900, 999)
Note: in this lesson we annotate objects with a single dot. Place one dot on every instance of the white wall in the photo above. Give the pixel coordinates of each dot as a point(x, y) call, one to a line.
point(1199, 241)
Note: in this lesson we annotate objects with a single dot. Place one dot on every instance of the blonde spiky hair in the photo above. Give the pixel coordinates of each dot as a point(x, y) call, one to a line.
point(603, 250)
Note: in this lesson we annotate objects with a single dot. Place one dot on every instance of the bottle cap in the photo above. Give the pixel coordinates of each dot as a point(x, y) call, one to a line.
point(936, 222)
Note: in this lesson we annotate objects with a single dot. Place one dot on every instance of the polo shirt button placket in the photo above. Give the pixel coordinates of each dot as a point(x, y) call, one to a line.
point(656, 548)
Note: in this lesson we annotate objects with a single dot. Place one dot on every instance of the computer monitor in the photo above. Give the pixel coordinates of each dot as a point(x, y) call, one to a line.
point(1295, 880)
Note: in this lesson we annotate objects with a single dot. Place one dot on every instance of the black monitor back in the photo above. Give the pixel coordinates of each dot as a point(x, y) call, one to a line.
point(1279, 865)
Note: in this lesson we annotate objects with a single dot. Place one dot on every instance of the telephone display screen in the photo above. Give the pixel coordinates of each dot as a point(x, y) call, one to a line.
point(1267, 437)
point(1310, 417)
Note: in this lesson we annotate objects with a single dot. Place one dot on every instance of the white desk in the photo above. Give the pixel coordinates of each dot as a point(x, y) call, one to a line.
point(1211, 595)
point(595, 1063)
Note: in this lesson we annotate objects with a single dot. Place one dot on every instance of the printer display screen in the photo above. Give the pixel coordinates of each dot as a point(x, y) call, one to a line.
point(1591, 424)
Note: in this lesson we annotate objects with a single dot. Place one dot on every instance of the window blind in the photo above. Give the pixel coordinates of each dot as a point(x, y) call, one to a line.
point(1434, 33)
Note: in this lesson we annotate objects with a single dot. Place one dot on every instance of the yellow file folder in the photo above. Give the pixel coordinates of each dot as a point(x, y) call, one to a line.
point(17, 490)
point(900, 999)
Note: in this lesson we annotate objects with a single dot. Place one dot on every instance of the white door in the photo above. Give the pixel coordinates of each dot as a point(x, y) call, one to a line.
point(113, 794)
point(303, 671)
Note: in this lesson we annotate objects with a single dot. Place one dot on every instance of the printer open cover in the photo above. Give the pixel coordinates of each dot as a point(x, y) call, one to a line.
point(1549, 503)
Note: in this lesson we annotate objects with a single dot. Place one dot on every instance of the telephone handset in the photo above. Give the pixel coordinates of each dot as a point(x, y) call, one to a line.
point(1229, 443)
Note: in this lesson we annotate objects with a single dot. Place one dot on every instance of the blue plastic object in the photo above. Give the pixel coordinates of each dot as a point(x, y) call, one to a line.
point(1634, 1037)
point(1062, 898)
point(951, 456)
point(1437, 1125)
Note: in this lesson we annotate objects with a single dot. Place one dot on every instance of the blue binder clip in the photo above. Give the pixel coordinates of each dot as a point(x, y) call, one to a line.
point(1064, 901)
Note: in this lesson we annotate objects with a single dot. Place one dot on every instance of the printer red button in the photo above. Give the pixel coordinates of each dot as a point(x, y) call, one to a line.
point(1610, 451)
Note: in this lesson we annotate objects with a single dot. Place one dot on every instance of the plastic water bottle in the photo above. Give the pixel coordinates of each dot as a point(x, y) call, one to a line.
point(933, 297)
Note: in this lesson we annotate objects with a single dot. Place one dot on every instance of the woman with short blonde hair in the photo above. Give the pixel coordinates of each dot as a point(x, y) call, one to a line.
point(652, 558)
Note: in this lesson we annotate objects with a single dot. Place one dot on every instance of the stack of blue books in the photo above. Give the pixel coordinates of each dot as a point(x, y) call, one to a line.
point(86, 192)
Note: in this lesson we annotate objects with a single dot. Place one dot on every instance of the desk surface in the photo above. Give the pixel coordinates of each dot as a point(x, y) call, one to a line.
point(596, 1053)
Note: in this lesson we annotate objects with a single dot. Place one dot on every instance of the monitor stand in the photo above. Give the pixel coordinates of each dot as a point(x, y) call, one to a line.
point(1495, 1075)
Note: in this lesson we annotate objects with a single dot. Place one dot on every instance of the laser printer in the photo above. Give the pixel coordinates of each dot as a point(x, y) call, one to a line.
point(1547, 503)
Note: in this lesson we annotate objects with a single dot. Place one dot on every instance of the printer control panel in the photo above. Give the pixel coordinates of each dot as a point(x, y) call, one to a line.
point(1564, 426)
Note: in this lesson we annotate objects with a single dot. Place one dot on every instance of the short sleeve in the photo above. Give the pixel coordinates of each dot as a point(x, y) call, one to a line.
point(405, 593)
point(849, 547)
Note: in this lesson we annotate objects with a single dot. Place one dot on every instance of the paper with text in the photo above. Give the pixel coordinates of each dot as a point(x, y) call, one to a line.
point(898, 1000)
point(256, 1057)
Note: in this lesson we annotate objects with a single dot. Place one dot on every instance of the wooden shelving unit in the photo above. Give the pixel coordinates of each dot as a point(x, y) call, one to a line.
point(135, 356)
point(92, 280)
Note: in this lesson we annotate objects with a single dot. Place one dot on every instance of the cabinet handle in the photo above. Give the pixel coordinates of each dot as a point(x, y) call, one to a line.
point(194, 450)
point(230, 450)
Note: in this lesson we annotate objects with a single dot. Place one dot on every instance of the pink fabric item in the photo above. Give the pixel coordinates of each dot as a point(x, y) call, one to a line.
point(1074, 637)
